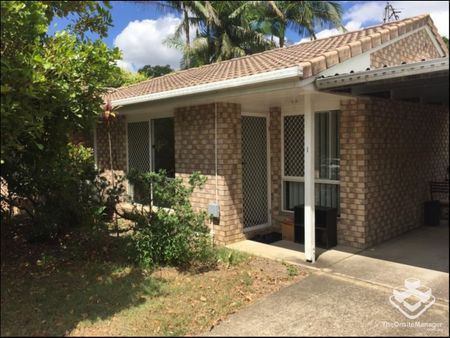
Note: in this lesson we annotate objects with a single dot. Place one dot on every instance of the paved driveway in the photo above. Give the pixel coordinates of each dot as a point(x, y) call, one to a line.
point(348, 293)
point(327, 305)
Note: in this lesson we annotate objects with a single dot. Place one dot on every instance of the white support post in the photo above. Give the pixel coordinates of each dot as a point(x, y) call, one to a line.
point(310, 223)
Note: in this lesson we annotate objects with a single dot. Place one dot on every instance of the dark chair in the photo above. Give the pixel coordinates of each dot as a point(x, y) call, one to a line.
point(439, 189)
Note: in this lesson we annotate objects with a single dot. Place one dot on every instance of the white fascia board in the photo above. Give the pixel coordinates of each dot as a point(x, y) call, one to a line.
point(282, 74)
point(418, 68)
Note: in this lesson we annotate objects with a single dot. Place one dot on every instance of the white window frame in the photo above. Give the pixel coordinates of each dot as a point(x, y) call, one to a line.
point(145, 118)
point(299, 178)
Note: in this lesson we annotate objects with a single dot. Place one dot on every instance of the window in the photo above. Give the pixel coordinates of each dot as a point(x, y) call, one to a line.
point(326, 157)
point(151, 147)
point(163, 145)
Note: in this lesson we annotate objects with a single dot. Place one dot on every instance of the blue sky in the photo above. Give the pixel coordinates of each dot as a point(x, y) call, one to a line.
point(139, 29)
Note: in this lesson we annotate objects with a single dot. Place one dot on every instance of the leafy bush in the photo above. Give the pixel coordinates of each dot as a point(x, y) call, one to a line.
point(168, 230)
point(65, 192)
point(52, 87)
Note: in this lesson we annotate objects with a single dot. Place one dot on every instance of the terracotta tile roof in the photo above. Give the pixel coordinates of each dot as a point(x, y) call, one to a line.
point(314, 57)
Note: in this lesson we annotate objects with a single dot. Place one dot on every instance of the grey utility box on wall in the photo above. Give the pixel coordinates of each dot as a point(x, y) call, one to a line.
point(213, 210)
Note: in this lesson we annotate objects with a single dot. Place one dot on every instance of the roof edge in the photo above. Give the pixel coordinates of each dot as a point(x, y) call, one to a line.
point(417, 68)
point(355, 48)
point(276, 75)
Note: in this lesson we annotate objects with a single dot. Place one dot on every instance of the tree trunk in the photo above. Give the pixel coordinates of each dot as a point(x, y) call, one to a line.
point(112, 173)
point(282, 33)
point(187, 36)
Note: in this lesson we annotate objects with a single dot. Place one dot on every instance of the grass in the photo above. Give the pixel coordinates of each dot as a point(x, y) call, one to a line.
point(87, 286)
point(292, 270)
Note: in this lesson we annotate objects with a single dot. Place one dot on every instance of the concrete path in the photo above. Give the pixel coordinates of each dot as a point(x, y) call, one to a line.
point(327, 305)
point(347, 291)
point(422, 253)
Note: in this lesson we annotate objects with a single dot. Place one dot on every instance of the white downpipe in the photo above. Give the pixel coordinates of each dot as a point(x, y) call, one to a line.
point(215, 167)
point(310, 241)
point(95, 147)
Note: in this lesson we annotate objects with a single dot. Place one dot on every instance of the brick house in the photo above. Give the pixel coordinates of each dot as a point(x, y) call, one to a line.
point(357, 121)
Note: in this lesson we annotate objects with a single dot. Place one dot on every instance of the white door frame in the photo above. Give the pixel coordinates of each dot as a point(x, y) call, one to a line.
point(269, 200)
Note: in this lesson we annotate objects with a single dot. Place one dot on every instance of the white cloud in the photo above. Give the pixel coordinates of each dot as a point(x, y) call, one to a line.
point(141, 43)
point(373, 11)
point(350, 26)
point(125, 65)
point(367, 13)
point(438, 10)
point(276, 39)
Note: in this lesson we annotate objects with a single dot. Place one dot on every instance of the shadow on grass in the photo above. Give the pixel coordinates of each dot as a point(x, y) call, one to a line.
point(51, 289)
point(55, 303)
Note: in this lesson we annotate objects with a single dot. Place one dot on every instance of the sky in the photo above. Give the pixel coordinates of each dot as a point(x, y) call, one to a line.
point(140, 29)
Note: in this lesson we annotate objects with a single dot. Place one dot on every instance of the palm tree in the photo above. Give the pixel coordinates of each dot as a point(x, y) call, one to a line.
point(229, 29)
point(227, 36)
point(306, 16)
point(193, 14)
point(274, 17)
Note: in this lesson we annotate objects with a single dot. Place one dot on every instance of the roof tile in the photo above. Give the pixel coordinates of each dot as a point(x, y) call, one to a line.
point(313, 56)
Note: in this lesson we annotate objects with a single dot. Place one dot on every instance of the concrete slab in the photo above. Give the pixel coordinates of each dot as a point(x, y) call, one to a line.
point(421, 253)
point(324, 304)
point(347, 292)
point(425, 247)
point(392, 274)
point(325, 258)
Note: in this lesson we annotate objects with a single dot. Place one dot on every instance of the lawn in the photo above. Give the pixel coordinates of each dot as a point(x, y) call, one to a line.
point(86, 285)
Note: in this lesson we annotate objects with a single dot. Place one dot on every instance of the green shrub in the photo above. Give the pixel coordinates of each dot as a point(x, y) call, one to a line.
point(170, 232)
point(66, 192)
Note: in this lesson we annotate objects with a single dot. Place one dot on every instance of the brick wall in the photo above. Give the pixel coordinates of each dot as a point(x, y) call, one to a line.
point(118, 142)
point(410, 49)
point(194, 151)
point(389, 152)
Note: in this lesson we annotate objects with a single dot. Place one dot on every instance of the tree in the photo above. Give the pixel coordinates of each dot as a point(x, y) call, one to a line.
point(274, 17)
point(445, 40)
point(155, 71)
point(50, 77)
point(229, 29)
point(51, 87)
point(125, 78)
point(220, 36)
point(194, 14)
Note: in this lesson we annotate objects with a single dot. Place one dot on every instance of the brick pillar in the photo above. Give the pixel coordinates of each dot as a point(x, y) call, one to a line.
point(195, 151)
point(353, 226)
point(275, 163)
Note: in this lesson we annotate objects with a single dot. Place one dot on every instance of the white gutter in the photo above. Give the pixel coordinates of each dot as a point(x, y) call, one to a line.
point(282, 74)
point(418, 68)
